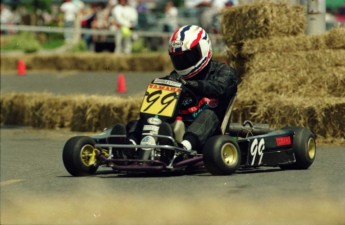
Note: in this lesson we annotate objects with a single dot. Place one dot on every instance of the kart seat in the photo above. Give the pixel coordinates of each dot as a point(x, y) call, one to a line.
point(224, 125)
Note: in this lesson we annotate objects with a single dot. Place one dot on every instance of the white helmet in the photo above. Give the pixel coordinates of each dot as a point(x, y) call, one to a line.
point(190, 50)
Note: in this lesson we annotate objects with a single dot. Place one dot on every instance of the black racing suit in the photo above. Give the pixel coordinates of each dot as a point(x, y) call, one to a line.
point(213, 88)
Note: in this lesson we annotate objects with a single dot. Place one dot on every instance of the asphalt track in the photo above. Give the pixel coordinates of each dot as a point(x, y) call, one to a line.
point(36, 189)
point(67, 83)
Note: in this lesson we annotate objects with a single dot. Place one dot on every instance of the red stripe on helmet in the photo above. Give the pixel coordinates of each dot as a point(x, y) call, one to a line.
point(174, 36)
point(196, 41)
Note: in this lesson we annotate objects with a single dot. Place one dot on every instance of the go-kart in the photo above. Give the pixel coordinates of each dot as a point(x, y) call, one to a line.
point(237, 146)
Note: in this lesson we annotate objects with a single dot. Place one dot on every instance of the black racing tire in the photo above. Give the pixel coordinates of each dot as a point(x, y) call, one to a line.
point(77, 154)
point(304, 148)
point(222, 155)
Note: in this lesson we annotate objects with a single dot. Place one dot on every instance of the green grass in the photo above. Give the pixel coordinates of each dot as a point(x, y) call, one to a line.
point(52, 44)
point(28, 42)
point(23, 41)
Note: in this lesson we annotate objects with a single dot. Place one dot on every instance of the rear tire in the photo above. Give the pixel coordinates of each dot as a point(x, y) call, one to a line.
point(222, 155)
point(79, 156)
point(304, 148)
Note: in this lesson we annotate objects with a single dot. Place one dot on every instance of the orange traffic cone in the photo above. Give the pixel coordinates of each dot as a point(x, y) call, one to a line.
point(21, 68)
point(121, 83)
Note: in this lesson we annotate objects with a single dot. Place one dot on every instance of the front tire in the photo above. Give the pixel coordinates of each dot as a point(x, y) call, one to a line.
point(79, 156)
point(222, 155)
point(304, 148)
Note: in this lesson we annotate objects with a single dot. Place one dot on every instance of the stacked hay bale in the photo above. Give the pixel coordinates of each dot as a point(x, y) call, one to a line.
point(287, 78)
point(88, 62)
point(77, 112)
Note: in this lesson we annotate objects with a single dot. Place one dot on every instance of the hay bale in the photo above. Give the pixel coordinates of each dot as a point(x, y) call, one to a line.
point(38, 110)
point(78, 116)
point(94, 113)
point(323, 116)
point(92, 62)
point(9, 62)
point(49, 111)
point(262, 20)
point(79, 113)
point(333, 117)
point(295, 61)
point(334, 39)
point(13, 109)
point(288, 78)
point(282, 44)
point(80, 62)
point(276, 53)
point(89, 62)
point(308, 83)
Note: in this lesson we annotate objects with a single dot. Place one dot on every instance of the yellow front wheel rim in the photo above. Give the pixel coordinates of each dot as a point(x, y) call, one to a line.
point(88, 155)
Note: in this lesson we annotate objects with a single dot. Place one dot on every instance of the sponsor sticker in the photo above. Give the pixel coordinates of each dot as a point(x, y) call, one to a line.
point(281, 141)
point(154, 121)
point(167, 82)
point(152, 128)
point(177, 44)
point(147, 140)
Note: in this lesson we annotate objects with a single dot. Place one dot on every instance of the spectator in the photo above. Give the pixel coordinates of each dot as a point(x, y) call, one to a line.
point(143, 12)
point(6, 16)
point(70, 10)
point(88, 15)
point(209, 17)
point(340, 15)
point(197, 3)
point(125, 19)
point(171, 17)
point(101, 21)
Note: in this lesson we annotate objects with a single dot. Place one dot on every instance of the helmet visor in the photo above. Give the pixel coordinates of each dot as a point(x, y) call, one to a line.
point(186, 59)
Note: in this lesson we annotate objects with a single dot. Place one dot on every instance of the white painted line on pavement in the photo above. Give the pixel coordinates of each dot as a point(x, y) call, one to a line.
point(8, 182)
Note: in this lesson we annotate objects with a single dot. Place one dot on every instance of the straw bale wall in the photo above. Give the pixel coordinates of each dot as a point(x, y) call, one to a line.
point(308, 83)
point(94, 113)
point(329, 40)
point(87, 62)
point(287, 77)
point(290, 52)
point(262, 20)
point(323, 116)
point(78, 113)
point(91, 62)
point(296, 61)
point(99, 112)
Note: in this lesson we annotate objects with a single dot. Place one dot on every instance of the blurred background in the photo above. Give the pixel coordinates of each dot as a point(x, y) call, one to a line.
point(42, 25)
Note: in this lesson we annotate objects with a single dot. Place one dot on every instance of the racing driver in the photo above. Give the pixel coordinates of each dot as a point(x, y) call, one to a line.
point(213, 84)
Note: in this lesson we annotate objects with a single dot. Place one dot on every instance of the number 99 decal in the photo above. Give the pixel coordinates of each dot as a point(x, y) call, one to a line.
point(256, 150)
point(160, 102)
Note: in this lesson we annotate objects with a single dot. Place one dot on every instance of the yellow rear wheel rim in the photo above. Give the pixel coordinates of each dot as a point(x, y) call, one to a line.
point(311, 148)
point(229, 154)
